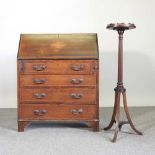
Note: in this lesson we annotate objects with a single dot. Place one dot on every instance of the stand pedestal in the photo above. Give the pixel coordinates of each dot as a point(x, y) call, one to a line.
point(120, 90)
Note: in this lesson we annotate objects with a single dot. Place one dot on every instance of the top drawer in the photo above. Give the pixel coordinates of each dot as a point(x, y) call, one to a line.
point(55, 66)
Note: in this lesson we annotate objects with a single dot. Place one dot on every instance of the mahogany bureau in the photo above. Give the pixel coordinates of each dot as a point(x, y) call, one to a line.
point(58, 79)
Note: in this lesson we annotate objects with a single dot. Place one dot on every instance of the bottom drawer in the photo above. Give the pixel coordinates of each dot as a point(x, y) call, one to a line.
point(57, 112)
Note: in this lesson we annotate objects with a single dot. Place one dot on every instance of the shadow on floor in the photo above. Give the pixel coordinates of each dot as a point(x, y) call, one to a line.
point(8, 120)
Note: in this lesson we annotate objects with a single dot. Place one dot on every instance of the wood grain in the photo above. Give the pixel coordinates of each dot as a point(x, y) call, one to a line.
point(58, 46)
point(58, 79)
point(57, 112)
point(57, 67)
point(62, 95)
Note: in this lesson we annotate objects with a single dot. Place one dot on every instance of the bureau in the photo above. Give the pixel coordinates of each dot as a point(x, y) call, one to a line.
point(58, 79)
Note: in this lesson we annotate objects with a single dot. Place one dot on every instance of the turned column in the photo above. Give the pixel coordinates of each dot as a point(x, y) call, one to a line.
point(120, 90)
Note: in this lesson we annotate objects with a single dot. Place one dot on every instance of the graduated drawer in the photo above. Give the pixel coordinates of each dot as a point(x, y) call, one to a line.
point(63, 95)
point(57, 112)
point(56, 67)
point(57, 80)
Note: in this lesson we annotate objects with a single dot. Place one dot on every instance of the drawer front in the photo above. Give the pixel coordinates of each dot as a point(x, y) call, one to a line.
point(57, 67)
point(57, 80)
point(57, 112)
point(63, 95)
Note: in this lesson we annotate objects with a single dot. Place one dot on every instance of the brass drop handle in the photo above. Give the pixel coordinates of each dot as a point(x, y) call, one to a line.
point(39, 96)
point(40, 112)
point(76, 111)
point(76, 81)
point(76, 96)
point(38, 67)
point(77, 67)
point(39, 81)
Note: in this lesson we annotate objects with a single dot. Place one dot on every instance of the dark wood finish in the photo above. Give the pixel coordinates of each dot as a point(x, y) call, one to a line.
point(94, 125)
point(22, 125)
point(58, 79)
point(120, 90)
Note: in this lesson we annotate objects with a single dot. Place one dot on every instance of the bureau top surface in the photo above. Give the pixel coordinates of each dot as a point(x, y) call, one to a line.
point(58, 46)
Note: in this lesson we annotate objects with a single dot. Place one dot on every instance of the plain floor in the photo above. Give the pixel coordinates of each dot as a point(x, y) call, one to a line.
point(61, 138)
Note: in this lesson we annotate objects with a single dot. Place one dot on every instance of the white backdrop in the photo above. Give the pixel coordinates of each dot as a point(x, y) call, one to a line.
point(76, 16)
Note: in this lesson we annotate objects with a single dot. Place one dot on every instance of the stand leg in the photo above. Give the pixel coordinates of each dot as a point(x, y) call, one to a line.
point(128, 115)
point(122, 123)
point(120, 28)
point(117, 117)
point(113, 115)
